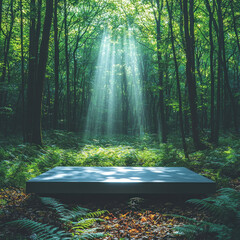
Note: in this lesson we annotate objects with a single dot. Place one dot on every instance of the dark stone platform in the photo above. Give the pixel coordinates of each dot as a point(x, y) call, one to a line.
point(120, 180)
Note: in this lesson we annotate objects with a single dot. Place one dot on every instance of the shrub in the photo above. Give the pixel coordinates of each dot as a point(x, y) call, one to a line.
point(131, 158)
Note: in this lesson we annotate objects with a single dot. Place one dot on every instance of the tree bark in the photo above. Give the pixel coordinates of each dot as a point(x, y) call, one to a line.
point(163, 124)
point(224, 62)
point(56, 68)
point(67, 67)
point(74, 118)
point(5, 54)
point(37, 69)
point(22, 72)
point(212, 120)
point(43, 56)
point(32, 68)
point(178, 84)
point(190, 70)
point(235, 26)
point(1, 2)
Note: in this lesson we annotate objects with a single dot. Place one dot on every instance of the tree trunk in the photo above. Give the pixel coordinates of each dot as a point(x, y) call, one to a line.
point(56, 68)
point(37, 69)
point(43, 55)
point(235, 25)
point(31, 71)
point(67, 67)
point(74, 113)
point(178, 84)
point(224, 62)
point(5, 54)
point(212, 120)
point(22, 72)
point(160, 73)
point(125, 101)
point(1, 15)
point(190, 70)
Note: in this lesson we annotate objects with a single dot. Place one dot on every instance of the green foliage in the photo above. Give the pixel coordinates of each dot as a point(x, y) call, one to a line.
point(224, 210)
point(3, 171)
point(19, 163)
point(17, 174)
point(79, 220)
point(170, 156)
point(131, 159)
point(43, 231)
point(64, 213)
point(203, 230)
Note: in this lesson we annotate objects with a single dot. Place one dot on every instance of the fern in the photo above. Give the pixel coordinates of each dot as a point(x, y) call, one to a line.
point(189, 231)
point(92, 235)
point(204, 230)
point(95, 214)
point(84, 223)
point(81, 219)
point(64, 213)
point(43, 231)
point(224, 208)
point(81, 229)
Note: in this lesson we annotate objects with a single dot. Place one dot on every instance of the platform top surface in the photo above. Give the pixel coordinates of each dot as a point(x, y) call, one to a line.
point(121, 175)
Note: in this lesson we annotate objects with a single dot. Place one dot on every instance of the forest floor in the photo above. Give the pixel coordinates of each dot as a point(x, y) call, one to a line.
point(126, 218)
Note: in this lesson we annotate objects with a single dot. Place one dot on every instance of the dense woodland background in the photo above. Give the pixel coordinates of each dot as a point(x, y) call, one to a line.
point(189, 54)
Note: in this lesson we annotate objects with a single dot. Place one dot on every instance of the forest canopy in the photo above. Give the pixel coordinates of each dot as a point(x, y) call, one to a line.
point(174, 67)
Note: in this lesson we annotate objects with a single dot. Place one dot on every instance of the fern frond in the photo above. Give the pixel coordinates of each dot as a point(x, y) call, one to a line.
point(183, 217)
point(85, 223)
point(91, 236)
point(43, 231)
point(78, 213)
point(215, 210)
point(233, 194)
point(97, 213)
point(59, 207)
point(222, 232)
point(80, 209)
point(192, 231)
point(64, 213)
point(222, 207)
point(229, 191)
point(225, 208)
point(187, 230)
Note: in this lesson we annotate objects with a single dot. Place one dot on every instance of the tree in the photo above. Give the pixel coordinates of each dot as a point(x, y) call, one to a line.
point(190, 69)
point(157, 17)
point(67, 67)
point(56, 68)
point(224, 64)
point(178, 82)
point(22, 72)
point(40, 68)
point(5, 55)
point(212, 121)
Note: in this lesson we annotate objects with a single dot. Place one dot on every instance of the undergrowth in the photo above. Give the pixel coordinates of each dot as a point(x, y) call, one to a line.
point(21, 162)
point(78, 223)
point(224, 210)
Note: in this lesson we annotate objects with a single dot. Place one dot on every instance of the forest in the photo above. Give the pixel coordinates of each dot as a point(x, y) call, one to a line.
point(141, 83)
